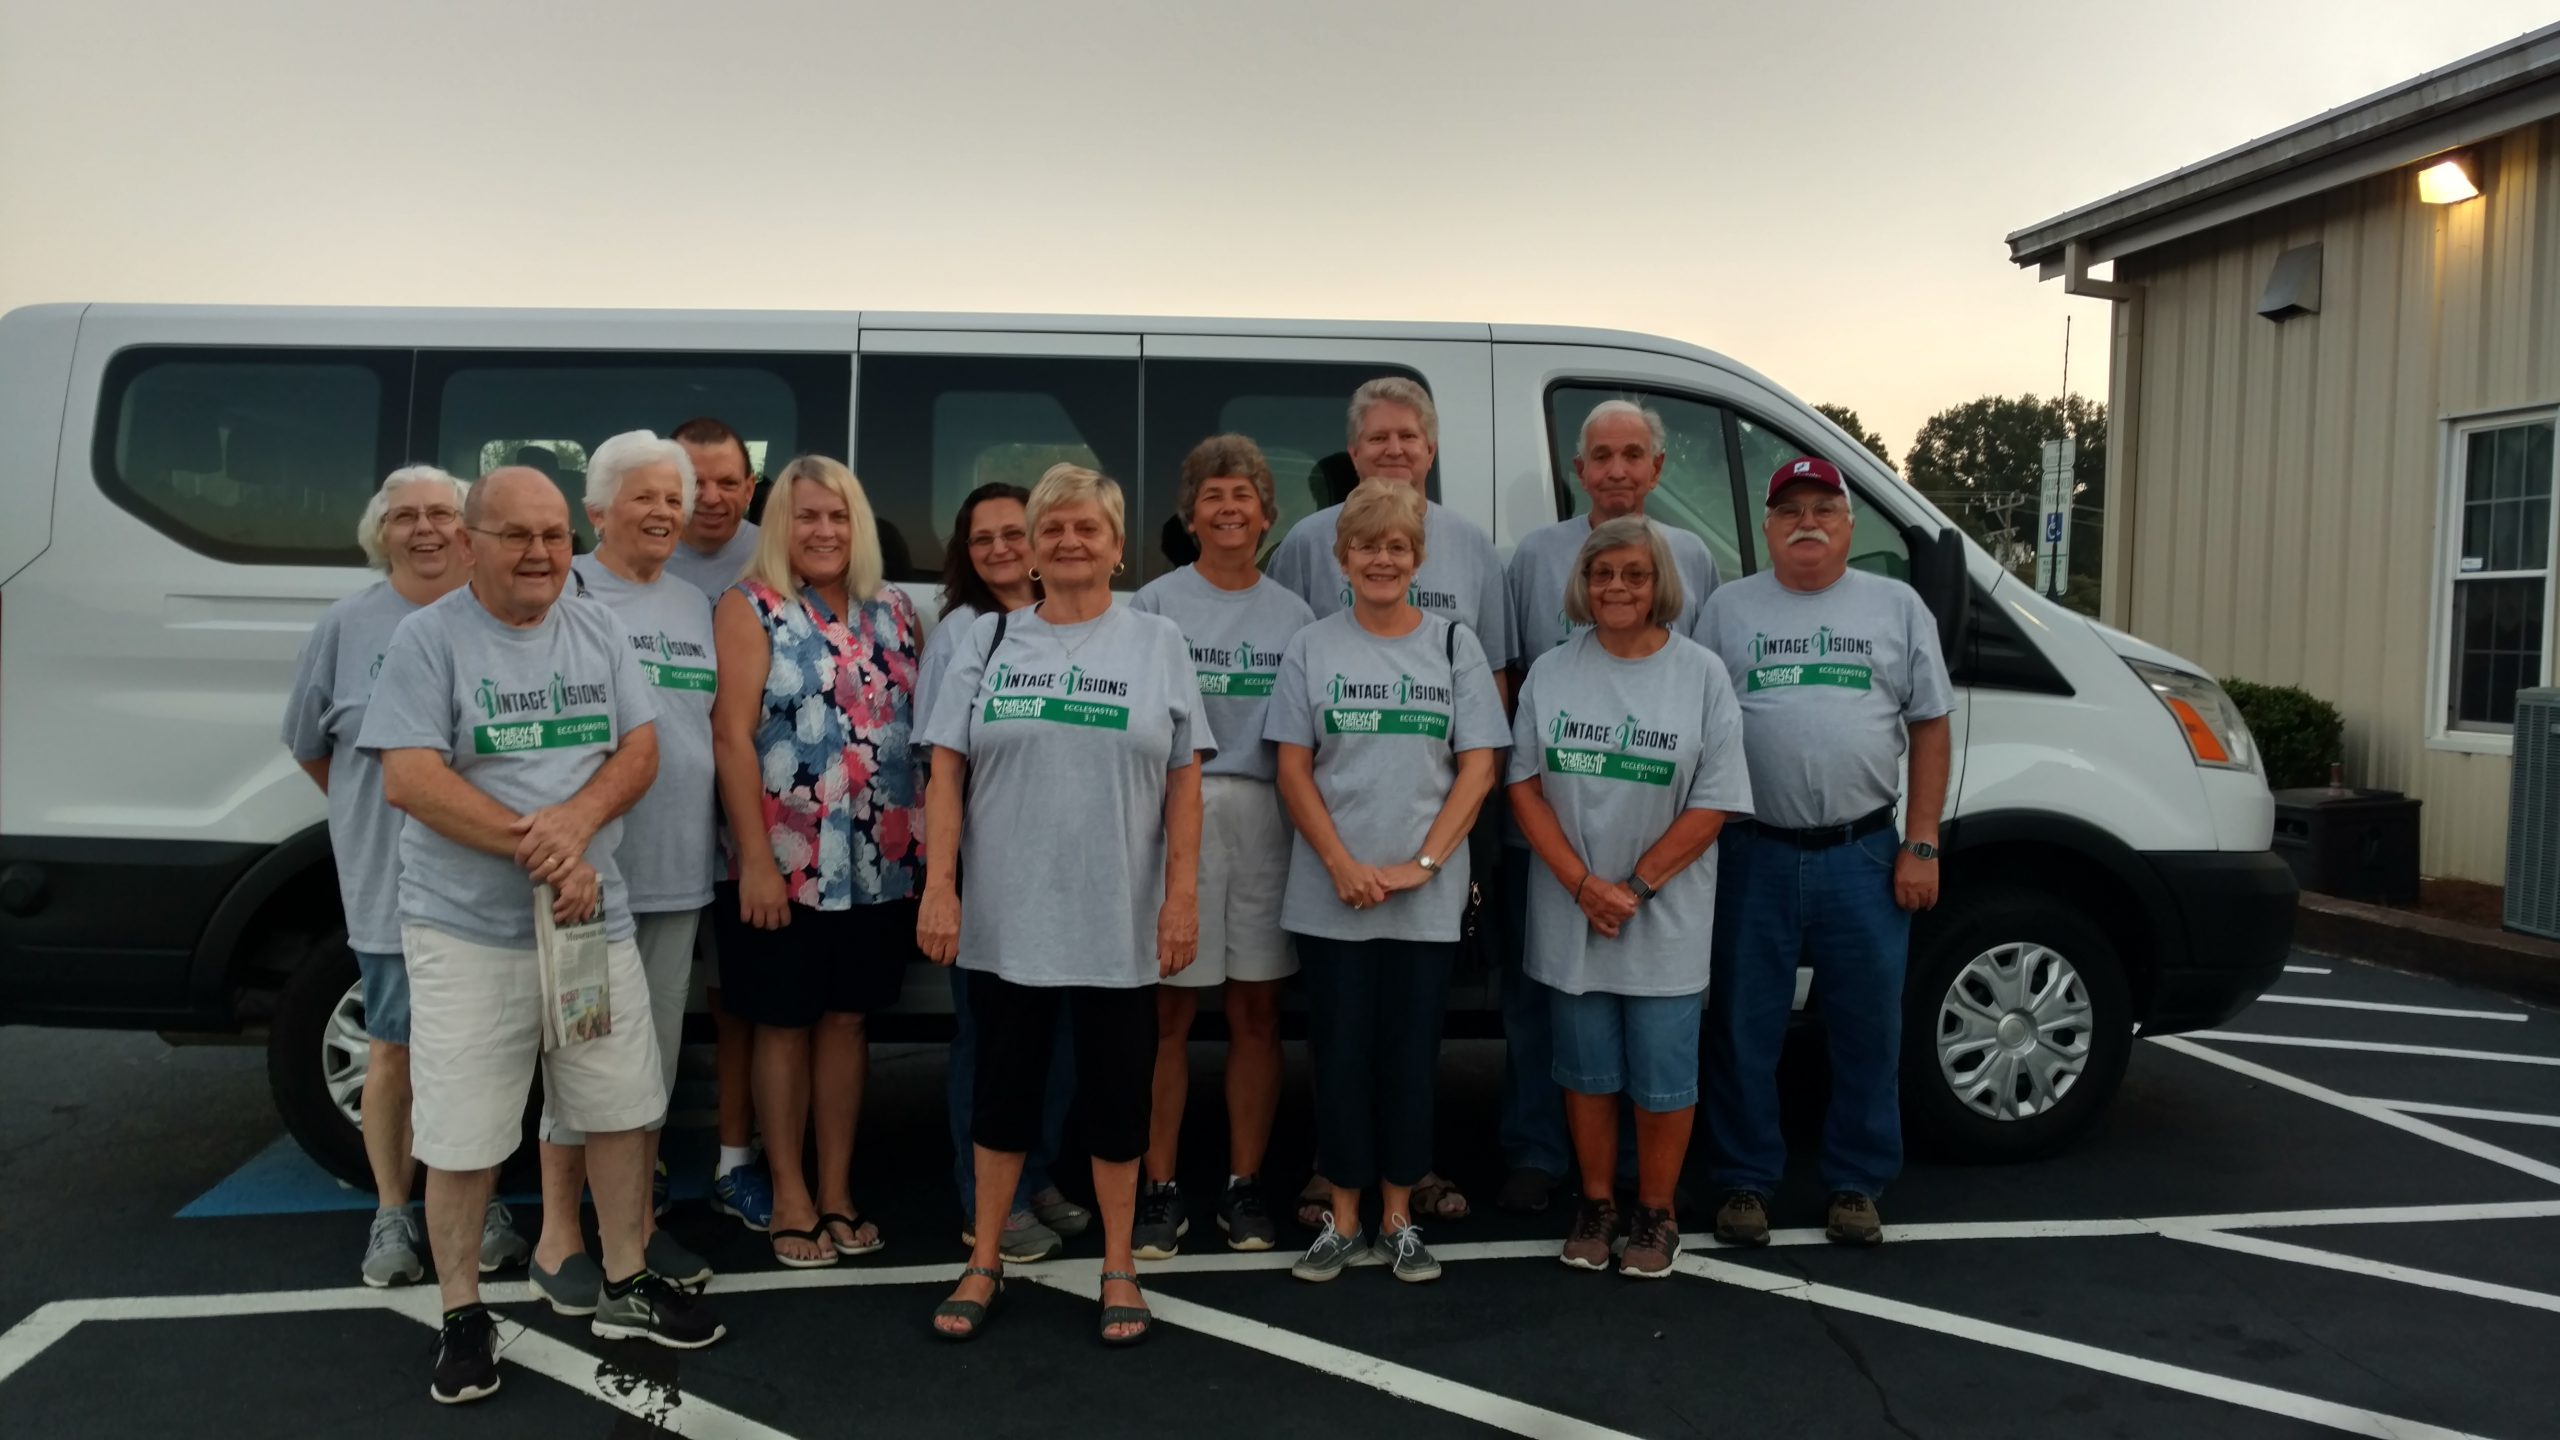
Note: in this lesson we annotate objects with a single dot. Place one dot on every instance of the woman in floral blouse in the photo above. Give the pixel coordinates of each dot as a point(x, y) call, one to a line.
point(819, 783)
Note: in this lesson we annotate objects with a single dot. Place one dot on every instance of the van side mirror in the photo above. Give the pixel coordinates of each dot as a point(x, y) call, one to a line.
point(1938, 573)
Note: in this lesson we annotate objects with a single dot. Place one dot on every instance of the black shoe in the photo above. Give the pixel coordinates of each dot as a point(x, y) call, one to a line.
point(1162, 1222)
point(1241, 1215)
point(466, 1356)
point(651, 1308)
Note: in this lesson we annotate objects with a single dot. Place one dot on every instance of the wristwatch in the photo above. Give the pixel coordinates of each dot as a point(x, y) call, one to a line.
point(1921, 849)
point(1429, 865)
point(1636, 885)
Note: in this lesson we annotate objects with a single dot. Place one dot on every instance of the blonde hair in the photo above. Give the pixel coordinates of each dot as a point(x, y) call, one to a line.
point(771, 562)
point(1377, 509)
point(1074, 485)
point(377, 511)
point(1626, 532)
point(1395, 390)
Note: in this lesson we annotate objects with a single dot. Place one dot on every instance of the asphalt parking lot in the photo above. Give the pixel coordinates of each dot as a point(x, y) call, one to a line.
point(2341, 1213)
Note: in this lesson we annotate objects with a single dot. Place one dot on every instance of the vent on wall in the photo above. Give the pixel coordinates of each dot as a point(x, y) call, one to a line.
point(2533, 816)
point(2293, 287)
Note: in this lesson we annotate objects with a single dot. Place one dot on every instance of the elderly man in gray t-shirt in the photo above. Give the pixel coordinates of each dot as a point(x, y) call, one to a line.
point(1839, 674)
point(514, 730)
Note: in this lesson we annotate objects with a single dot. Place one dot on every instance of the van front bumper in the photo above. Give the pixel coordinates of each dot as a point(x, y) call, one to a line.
point(2223, 921)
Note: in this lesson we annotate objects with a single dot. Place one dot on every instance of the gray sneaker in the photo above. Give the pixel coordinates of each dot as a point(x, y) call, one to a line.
point(1025, 1240)
point(653, 1310)
point(1402, 1251)
point(500, 1245)
point(679, 1265)
point(1241, 1216)
point(1060, 1213)
point(1162, 1222)
point(1332, 1254)
point(391, 1250)
point(572, 1289)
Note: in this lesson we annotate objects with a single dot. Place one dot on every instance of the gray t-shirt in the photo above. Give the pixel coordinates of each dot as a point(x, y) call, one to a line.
point(323, 714)
point(669, 846)
point(939, 647)
point(1070, 731)
point(1460, 578)
point(527, 717)
point(718, 570)
point(1542, 564)
point(1235, 637)
point(1828, 681)
point(1386, 720)
point(1620, 749)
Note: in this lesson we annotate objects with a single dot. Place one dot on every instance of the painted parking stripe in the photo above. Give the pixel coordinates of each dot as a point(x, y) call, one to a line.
point(2377, 1047)
point(2306, 969)
point(2437, 1010)
point(2358, 1265)
point(2349, 1418)
point(2450, 1139)
point(2466, 1112)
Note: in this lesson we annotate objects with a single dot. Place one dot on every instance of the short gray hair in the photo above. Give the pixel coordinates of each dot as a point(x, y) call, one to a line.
point(1609, 409)
point(377, 511)
point(1622, 533)
point(1394, 390)
point(633, 450)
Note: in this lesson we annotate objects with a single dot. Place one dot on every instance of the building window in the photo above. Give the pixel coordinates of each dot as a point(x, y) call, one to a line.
point(2498, 525)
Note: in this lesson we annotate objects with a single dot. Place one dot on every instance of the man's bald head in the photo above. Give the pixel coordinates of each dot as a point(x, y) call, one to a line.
point(518, 484)
point(515, 527)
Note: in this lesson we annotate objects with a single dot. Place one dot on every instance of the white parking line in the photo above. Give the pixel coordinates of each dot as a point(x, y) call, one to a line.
point(2515, 1015)
point(2377, 1047)
point(2349, 1418)
point(2306, 969)
point(2358, 1265)
point(2466, 1112)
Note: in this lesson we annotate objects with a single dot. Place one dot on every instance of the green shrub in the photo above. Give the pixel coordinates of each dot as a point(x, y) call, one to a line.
point(2298, 733)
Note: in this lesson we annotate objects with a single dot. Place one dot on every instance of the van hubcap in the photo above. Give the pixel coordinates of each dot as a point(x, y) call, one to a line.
point(346, 1053)
point(2013, 1031)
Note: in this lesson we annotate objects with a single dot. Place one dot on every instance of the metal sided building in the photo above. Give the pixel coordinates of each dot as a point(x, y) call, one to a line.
point(2335, 384)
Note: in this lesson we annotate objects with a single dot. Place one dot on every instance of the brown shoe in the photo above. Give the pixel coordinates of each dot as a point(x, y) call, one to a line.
point(1652, 1241)
point(1743, 1219)
point(1853, 1221)
point(1595, 1233)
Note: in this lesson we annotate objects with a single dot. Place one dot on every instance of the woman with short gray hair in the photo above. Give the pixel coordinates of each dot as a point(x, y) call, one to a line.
point(411, 531)
point(1626, 761)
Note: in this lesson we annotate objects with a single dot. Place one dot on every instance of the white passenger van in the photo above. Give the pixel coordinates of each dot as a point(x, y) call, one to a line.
point(179, 488)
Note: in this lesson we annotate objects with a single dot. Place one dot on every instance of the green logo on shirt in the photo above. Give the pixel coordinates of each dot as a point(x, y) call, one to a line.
point(1251, 685)
point(1783, 677)
point(515, 736)
point(1605, 765)
point(1055, 711)
point(1430, 724)
point(554, 699)
point(680, 677)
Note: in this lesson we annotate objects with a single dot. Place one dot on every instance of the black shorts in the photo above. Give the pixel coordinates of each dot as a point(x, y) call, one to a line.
point(850, 961)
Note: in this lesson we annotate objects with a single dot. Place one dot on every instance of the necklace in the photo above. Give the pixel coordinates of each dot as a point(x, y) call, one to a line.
point(1093, 627)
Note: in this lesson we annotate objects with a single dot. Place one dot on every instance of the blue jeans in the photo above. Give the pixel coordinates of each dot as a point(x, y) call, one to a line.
point(386, 996)
point(1533, 1131)
point(961, 1087)
point(1777, 906)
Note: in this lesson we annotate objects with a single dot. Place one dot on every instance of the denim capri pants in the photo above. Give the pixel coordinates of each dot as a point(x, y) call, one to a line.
point(1644, 1045)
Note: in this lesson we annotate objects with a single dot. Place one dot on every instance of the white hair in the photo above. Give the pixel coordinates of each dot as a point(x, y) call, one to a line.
point(633, 450)
point(1610, 409)
point(377, 511)
point(1395, 390)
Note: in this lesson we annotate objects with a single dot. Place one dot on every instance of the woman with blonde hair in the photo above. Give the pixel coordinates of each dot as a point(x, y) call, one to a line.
point(813, 749)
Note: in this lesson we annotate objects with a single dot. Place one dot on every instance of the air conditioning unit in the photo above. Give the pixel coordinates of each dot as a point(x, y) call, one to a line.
point(2533, 817)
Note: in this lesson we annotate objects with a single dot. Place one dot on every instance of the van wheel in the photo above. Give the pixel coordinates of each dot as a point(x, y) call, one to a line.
point(317, 1055)
point(2017, 1025)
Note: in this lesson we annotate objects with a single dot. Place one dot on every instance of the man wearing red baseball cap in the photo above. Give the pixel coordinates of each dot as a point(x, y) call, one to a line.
point(1839, 673)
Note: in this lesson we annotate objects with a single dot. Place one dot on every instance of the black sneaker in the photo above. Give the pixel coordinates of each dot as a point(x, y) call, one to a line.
point(466, 1356)
point(1240, 1214)
point(1162, 1222)
point(650, 1308)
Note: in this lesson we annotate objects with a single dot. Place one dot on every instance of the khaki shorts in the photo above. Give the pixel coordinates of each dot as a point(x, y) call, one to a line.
point(475, 1036)
point(1244, 866)
point(666, 957)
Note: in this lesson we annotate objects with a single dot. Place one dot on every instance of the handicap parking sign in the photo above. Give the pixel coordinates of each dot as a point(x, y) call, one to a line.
point(2052, 528)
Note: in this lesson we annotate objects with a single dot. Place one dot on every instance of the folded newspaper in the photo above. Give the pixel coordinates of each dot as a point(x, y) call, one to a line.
point(577, 1004)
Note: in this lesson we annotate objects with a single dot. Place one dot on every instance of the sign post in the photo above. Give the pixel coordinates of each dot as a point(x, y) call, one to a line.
point(2053, 543)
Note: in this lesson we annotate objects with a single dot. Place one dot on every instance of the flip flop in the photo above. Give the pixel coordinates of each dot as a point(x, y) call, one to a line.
point(792, 1262)
point(1138, 1315)
point(1315, 1202)
point(970, 1310)
point(828, 1223)
point(1433, 1196)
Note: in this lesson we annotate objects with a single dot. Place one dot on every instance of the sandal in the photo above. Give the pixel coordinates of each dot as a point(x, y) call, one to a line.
point(858, 1226)
point(976, 1313)
point(1439, 1199)
point(803, 1262)
point(1315, 1202)
point(1138, 1315)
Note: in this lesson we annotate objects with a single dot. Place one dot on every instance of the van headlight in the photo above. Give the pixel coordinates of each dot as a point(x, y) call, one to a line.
point(2216, 735)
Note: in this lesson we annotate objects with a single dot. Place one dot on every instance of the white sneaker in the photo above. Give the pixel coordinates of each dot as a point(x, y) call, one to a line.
point(391, 1250)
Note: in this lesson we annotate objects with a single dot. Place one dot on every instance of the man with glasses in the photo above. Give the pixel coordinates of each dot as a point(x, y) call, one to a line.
point(1618, 461)
point(1839, 674)
point(514, 729)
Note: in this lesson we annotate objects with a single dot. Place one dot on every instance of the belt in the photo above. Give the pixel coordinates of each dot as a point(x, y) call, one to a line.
point(1823, 837)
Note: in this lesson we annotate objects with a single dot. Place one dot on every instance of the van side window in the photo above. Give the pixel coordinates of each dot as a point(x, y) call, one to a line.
point(1297, 411)
point(258, 457)
point(1697, 489)
point(935, 427)
point(1875, 542)
point(476, 410)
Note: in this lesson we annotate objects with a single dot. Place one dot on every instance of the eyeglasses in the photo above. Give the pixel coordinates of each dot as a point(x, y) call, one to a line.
point(433, 515)
point(515, 539)
point(1634, 577)
point(1822, 511)
point(1398, 548)
point(1017, 537)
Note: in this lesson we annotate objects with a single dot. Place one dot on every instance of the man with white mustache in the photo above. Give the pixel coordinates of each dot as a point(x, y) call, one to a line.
point(1839, 672)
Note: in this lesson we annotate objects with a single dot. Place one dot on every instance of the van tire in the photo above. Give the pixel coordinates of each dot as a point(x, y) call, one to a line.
point(2018, 936)
point(296, 1070)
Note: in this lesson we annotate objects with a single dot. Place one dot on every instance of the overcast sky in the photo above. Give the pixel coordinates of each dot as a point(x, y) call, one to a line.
point(1819, 190)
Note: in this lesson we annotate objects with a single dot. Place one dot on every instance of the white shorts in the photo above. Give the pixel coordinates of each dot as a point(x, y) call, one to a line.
point(475, 1036)
point(666, 957)
point(1244, 865)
